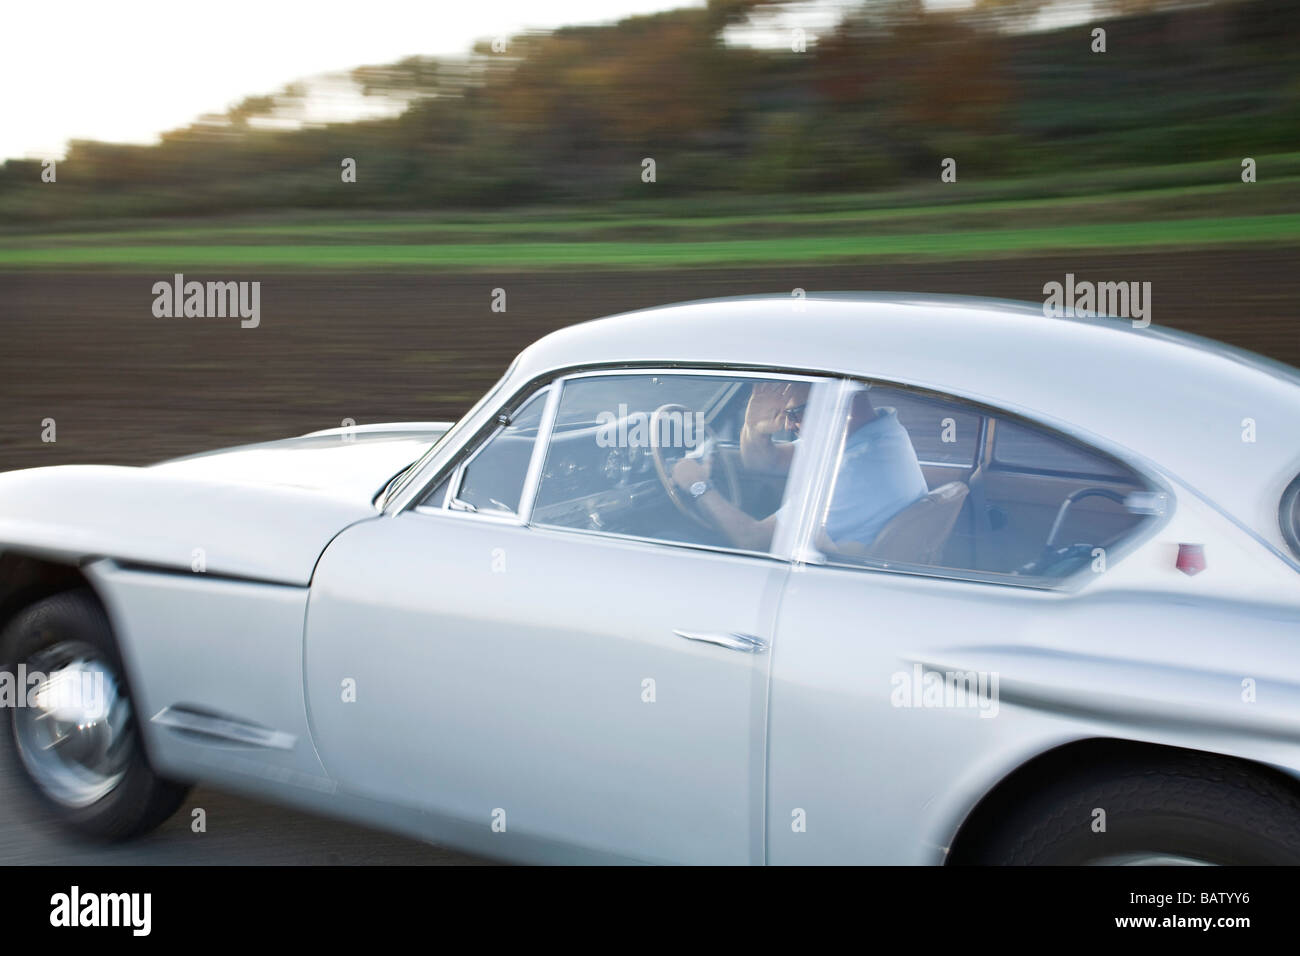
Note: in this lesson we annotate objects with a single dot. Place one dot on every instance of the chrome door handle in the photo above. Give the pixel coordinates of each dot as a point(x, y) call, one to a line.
point(733, 641)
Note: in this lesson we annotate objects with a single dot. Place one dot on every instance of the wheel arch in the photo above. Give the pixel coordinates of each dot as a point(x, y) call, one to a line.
point(1093, 752)
point(27, 578)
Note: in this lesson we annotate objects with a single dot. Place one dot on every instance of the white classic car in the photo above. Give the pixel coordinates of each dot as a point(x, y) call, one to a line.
point(844, 579)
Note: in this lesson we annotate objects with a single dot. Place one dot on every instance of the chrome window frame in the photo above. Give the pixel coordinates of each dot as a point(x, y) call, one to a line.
point(411, 486)
point(815, 434)
point(457, 473)
point(818, 431)
point(809, 554)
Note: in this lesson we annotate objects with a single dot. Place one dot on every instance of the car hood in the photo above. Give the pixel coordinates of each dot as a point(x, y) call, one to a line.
point(261, 512)
point(350, 463)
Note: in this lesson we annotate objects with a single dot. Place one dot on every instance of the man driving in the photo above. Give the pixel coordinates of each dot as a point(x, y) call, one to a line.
point(878, 472)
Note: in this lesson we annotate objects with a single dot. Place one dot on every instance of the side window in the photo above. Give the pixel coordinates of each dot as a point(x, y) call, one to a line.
point(492, 479)
point(685, 458)
point(942, 433)
point(1007, 500)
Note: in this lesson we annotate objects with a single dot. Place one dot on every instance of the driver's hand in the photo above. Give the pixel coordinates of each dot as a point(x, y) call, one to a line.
point(688, 471)
point(766, 410)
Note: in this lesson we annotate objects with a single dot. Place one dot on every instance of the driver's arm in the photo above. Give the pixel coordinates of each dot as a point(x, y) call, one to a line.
point(740, 529)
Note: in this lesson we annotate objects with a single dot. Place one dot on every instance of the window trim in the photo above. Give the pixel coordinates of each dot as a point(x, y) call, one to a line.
point(412, 486)
point(817, 434)
point(460, 459)
point(797, 548)
point(991, 415)
point(457, 473)
point(436, 463)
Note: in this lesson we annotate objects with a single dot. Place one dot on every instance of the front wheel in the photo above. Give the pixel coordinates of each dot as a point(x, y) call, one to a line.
point(1175, 808)
point(72, 727)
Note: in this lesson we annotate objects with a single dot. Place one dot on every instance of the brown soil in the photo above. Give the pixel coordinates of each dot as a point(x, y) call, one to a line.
point(125, 387)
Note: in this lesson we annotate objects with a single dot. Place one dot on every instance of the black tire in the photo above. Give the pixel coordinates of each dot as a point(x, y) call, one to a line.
point(1158, 805)
point(139, 800)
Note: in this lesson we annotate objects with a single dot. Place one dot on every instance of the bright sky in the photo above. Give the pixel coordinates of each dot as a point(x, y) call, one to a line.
point(127, 70)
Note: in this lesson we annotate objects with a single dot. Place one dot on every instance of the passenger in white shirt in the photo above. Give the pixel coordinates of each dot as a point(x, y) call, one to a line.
point(878, 474)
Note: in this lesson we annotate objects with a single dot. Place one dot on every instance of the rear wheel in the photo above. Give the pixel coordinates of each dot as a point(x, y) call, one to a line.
point(1160, 809)
point(73, 730)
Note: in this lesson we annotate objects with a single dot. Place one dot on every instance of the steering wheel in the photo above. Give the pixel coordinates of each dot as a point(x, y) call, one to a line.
point(1057, 561)
point(728, 486)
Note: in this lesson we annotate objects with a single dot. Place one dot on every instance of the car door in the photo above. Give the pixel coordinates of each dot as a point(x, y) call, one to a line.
point(592, 680)
point(882, 701)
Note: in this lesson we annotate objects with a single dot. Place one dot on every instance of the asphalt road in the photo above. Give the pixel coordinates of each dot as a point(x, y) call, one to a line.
point(239, 831)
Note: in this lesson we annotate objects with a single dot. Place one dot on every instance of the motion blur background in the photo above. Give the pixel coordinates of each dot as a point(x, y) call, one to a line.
point(794, 145)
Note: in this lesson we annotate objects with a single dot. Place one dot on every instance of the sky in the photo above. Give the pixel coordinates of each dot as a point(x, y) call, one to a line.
point(125, 71)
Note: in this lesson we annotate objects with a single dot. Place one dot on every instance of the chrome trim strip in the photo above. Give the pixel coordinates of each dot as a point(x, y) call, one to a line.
point(206, 725)
point(533, 477)
point(495, 517)
point(992, 414)
point(696, 371)
point(747, 643)
point(458, 475)
point(809, 471)
point(427, 470)
point(659, 542)
point(416, 482)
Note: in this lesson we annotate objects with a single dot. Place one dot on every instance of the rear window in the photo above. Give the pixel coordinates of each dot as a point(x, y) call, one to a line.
point(942, 432)
point(1022, 447)
point(1043, 507)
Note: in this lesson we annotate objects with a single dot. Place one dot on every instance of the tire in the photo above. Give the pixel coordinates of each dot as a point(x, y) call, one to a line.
point(80, 748)
point(1176, 807)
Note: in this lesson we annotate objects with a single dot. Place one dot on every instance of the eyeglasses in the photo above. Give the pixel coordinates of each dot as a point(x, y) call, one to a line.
point(794, 415)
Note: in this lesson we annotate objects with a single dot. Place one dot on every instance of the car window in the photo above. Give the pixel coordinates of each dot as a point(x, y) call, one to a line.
point(614, 463)
point(1017, 446)
point(493, 478)
point(941, 432)
point(1041, 509)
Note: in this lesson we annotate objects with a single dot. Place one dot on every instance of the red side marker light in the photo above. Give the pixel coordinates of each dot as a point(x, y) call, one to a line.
point(1191, 558)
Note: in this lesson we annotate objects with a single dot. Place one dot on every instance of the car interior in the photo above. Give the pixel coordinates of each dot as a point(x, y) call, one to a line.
point(1037, 503)
point(1007, 497)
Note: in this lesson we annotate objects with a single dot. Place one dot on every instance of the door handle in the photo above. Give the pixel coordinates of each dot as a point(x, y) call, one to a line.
point(747, 643)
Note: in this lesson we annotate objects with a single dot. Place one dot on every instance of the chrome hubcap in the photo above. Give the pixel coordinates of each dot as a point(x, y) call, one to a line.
point(73, 726)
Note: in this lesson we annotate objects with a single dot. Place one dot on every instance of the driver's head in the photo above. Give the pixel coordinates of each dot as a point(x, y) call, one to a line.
point(795, 406)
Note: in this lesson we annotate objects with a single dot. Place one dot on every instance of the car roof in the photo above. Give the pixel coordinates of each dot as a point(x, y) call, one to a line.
point(1177, 400)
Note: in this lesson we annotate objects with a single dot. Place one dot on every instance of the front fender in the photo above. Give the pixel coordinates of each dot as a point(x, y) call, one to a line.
point(150, 517)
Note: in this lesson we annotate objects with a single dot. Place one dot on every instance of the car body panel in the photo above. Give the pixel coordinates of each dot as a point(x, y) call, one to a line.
point(147, 516)
point(535, 647)
point(215, 647)
point(263, 512)
point(349, 462)
point(1140, 652)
